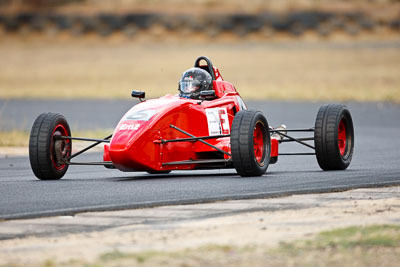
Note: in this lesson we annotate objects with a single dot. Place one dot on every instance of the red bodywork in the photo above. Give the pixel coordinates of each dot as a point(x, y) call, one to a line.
point(137, 142)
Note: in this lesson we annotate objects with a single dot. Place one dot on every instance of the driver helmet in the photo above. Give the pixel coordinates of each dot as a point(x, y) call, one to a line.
point(193, 81)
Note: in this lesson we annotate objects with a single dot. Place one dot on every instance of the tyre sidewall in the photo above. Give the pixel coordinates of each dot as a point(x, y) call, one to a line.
point(263, 165)
point(326, 142)
point(41, 145)
point(346, 158)
point(50, 144)
point(242, 143)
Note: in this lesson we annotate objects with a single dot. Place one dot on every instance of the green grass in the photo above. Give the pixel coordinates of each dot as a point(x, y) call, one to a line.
point(371, 236)
point(349, 238)
point(115, 256)
point(376, 245)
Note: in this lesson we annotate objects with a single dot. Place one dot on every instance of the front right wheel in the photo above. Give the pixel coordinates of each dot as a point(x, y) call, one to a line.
point(48, 154)
point(250, 143)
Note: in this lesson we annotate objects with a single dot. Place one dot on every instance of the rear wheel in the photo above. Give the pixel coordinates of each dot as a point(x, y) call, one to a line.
point(47, 154)
point(334, 137)
point(250, 143)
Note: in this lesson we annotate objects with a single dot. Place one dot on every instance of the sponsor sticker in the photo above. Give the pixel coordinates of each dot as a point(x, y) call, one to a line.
point(129, 127)
point(218, 121)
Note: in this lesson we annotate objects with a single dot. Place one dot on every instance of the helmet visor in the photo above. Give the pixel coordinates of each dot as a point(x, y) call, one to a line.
point(189, 87)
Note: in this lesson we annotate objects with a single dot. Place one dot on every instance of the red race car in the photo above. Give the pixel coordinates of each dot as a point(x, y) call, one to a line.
point(206, 126)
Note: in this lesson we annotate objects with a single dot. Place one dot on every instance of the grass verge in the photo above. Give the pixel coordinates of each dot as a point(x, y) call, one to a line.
point(294, 71)
point(375, 245)
point(351, 237)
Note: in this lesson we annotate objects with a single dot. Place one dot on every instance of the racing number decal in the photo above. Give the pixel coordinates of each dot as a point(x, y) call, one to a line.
point(223, 116)
point(218, 121)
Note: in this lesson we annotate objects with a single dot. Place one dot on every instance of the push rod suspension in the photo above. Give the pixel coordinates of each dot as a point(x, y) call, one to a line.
point(301, 139)
point(105, 163)
point(297, 140)
point(83, 139)
point(292, 130)
point(89, 147)
point(204, 142)
point(194, 138)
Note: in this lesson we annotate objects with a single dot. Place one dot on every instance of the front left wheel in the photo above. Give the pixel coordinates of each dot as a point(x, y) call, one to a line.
point(334, 137)
point(48, 154)
point(250, 143)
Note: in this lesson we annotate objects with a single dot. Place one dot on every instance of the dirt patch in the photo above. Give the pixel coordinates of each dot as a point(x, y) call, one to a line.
point(192, 230)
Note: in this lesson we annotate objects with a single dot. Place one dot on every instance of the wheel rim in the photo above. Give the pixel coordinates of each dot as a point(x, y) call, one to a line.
point(59, 148)
point(342, 137)
point(258, 143)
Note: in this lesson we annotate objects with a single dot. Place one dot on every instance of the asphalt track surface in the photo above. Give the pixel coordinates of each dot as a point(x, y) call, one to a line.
point(376, 163)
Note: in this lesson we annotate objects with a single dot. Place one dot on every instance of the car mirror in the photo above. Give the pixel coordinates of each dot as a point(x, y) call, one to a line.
point(138, 94)
point(207, 95)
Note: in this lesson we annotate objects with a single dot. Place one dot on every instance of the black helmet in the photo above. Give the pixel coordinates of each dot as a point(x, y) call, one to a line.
point(193, 81)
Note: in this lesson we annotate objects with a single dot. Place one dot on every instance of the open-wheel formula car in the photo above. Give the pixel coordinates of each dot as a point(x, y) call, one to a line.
point(206, 126)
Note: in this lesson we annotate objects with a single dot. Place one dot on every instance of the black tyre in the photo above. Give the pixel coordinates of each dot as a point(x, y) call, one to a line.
point(334, 137)
point(250, 143)
point(297, 28)
point(267, 31)
point(213, 26)
point(130, 29)
point(212, 30)
point(241, 30)
point(46, 154)
point(352, 26)
point(78, 26)
point(324, 28)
